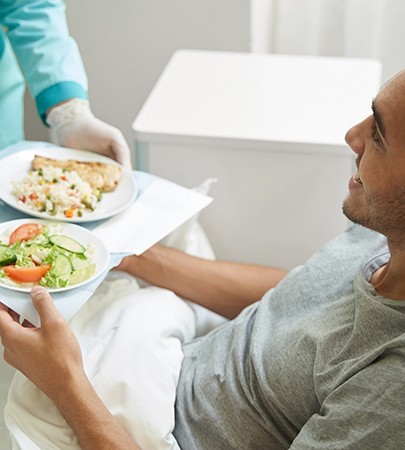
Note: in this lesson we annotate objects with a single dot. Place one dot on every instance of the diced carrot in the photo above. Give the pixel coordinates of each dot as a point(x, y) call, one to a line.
point(69, 213)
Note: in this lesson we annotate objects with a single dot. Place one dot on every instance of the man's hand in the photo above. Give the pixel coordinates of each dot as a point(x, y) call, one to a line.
point(75, 126)
point(50, 355)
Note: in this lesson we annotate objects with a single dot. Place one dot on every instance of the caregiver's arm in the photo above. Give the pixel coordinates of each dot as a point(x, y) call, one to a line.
point(50, 357)
point(223, 287)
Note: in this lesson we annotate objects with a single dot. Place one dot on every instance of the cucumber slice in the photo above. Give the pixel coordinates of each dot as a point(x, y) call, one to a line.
point(67, 243)
point(6, 255)
point(62, 267)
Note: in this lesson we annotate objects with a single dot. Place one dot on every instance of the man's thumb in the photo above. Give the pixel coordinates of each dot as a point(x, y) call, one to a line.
point(44, 304)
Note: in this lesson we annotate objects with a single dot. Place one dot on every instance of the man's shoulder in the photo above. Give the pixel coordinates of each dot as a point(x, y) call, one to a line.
point(356, 241)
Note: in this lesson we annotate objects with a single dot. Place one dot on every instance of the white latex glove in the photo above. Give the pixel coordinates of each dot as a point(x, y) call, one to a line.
point(75, 126)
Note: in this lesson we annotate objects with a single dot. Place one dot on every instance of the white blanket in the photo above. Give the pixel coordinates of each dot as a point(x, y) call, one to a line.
point(131, 341)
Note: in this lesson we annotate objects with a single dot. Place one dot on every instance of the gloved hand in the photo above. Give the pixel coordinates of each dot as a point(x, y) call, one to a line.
point(75, 126)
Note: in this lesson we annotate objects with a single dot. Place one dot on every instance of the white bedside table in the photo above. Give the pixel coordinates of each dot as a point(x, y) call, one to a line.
point(271, 129)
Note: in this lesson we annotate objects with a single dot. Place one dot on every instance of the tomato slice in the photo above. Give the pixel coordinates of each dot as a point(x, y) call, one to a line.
point(26, 274)
point(25, 232)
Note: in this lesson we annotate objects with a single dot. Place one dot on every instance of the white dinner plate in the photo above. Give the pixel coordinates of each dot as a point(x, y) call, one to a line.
point(100, 256)
point(16, 166)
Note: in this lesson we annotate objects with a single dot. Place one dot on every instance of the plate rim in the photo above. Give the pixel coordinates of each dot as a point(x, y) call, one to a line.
point(100, 243)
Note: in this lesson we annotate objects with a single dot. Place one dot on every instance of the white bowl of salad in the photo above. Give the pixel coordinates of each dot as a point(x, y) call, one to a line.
point(51, 254)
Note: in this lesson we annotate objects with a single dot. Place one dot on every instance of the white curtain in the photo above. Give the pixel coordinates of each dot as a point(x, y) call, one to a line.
point(353, 28)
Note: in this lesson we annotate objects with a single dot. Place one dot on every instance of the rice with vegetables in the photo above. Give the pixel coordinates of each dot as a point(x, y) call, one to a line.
point(56, 191)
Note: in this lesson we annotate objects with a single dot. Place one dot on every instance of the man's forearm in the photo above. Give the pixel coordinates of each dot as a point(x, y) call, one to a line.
point(93, 424)
point(223, 287)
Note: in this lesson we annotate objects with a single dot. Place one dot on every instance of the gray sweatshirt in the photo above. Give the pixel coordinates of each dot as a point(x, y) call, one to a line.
point(318, 363)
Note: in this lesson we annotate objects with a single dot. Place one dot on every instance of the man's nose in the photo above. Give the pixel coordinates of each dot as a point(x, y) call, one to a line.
point(355, 139)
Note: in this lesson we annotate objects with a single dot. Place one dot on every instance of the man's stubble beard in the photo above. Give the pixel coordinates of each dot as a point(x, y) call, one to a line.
point(382, 214)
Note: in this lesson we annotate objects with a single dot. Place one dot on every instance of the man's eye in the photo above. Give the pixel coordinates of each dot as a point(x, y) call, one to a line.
point(374, 135)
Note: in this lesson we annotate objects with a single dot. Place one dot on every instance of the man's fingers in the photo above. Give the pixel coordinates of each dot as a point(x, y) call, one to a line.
point(44, 305)
point(15, 316)
point(6, 319)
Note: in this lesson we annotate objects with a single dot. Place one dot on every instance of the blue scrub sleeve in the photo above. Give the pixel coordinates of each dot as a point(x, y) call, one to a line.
point(48, 56)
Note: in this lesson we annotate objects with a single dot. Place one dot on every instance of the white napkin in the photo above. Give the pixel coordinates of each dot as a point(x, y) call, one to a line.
point(159, 210)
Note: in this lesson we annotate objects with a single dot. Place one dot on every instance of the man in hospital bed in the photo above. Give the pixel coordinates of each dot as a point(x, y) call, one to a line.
point(317, 363)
